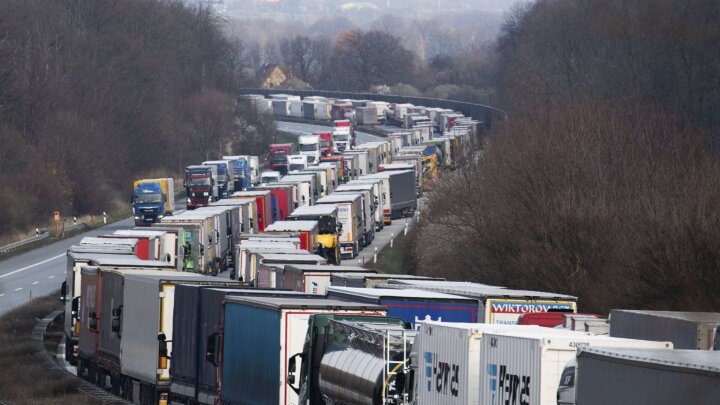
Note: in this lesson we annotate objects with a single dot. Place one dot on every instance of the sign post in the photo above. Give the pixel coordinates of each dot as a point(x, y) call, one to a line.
point(57, 224)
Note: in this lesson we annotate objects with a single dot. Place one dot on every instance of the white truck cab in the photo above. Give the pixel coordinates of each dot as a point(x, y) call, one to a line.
point(269, 177)
point(297, 162)
point(309, 145)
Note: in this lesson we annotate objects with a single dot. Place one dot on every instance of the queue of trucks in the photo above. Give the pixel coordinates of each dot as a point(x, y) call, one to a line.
point(245, 299)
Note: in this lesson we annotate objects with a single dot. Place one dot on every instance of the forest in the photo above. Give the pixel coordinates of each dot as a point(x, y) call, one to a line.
point(604, 183)
point(96, 93)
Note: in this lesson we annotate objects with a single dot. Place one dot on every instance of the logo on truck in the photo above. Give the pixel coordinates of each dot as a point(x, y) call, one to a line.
point(441, 377)
point(504, 311)
point(506, 388)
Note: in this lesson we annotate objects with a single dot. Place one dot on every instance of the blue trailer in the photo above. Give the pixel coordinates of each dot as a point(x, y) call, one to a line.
point(226, 181)
point(240, 170)
point(198, 313)
point(260, 334)
point(413, 305)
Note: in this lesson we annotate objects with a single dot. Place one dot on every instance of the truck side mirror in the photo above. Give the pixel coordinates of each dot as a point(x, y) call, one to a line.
point(211, 353)
point(292, 370)
point(74, 306)
point(63, 291)
point(115, 323)
point(92, 320)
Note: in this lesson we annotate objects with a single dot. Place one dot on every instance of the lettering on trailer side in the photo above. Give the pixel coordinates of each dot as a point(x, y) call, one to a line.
point(506, 388)
point(441, 377)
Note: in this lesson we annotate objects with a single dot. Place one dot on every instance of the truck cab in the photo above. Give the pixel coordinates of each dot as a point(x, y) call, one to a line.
point(152, 200)
point(342, 135)
point(200, 185)
point(240, 172)
point(269, 177)
point(225, 181)
point(326, 142)
point(309, 145)
point(278, 158)
point(297, 162)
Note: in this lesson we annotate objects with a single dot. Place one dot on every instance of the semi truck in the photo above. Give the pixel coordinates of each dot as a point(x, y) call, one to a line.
point(264, 205)
point(297, 162)
point(309, 145)
point(326, 371)
point(240, 172)
point(342, 134)
point(326, 216)
point(402, 192)
point(350, 218)
point(126, 329)
point(367, 201)
point(200, 185)
point(199, 239)
point(326, 142)
point(311, 278)
point(225, 179)
point(152, 200)
point(279, 326)
point(278, 157)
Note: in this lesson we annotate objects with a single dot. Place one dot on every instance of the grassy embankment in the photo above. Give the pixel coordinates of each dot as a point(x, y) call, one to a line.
point(23, 379)
point(392, 259)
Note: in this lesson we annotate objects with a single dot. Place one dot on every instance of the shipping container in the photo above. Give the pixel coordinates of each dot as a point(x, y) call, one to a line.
point(647, 376)
point(263, 200)
point(413, 306)
point(271, 330)
point(198, 314)
point(687, 330)
point(269, 267)
point(497, 304)
point(370, 280)
point(526, 367)
point(350, 218)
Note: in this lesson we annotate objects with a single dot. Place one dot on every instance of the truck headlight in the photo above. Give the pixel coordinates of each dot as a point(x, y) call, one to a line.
point(206, 194)
point(161, 216)
point(187, 200)
point(137, 217)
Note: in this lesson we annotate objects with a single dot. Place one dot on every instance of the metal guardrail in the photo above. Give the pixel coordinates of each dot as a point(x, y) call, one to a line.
point(80, 227)
point(484, 113)
point(57, 371)
point(16, 245)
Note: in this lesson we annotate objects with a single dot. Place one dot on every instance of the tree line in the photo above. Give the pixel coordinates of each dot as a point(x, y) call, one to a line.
point(95, 93)
point(605, 180)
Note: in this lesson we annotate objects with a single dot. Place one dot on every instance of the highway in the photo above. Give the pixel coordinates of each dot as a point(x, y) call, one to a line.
point(41, 271)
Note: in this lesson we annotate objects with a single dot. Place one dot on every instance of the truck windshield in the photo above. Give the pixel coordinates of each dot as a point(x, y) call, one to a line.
point(308, 147)
point(270, 179)
point(151, 198)
point(198, 181)
point(278, 159)
point(340, 137)
point(325, 144)
point(297, 167)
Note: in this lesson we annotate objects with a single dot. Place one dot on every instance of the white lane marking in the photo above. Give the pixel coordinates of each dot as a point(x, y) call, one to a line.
point(18, 289)
point(35, 282)
point(51, 276)
point(33, 265)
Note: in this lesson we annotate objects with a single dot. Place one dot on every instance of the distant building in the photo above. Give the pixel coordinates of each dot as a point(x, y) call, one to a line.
point(272, 76)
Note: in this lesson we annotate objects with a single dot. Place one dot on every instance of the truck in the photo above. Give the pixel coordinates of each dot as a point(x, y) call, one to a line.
point(279, 325)
point(283, 197)
point(342, 133)
point(269, 268)
point(326, 216)
point(497, 304)
point(152, 200)
point(687, 330)
point(375, 198)
point(253, 167)
point(72, 287)
point(198, 241)
point(370, 207)
point(297, 162)
point(646, 376)
point(128, 316)
point(200, 185)
point(341, 167)
point(278, 157)
point(309, 145)
point(326, 142)
point(198, 312)
point(311, 278)
point(413, 306)
point(527, 366)
point(225, 180)
point(239, 172)
point(381, 190)
point(350, 218)
point(370, 280)
point(167, 242)
point(402, 193)
point(306, 187)
point(264, 206)
point(335, 344)
point(270, 177)
point(307, 231)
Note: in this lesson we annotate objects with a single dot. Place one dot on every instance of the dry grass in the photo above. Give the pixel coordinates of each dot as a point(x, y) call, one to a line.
point(23, 379)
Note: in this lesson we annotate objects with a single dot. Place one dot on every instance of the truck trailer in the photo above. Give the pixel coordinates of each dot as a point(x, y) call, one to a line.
point(687, 330)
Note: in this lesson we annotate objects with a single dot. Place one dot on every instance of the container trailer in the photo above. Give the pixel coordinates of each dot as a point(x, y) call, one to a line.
point(370, 280)
point(687, 330)
point(402, 193)
point(350, 218)
point(225, 180)
point(263, 199)
point(310, 278)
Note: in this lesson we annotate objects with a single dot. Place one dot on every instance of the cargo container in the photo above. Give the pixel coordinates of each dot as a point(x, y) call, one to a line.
point(687, 330)
point(199, 253)
point(647, 376)
point(350, 218)
point(225, 178)
point(381, 189)
point(402, 192)
point(227, 232)
point(269, 266)
point(413, 306)
point(305, 187)
point(198, 313)
point(370, 280)
point(497, 304)
point(146, 247)
point(263, 199)
point(131, 321)
point(250, 253)
point(366, 115)
point(371, 214)
point(242, 217)
point(283, 196)
point(321, 179)
point(526, 367)
point(166, 242)
point(307, 231)
point(310, 278)
point(273, 329)
point(363, 161)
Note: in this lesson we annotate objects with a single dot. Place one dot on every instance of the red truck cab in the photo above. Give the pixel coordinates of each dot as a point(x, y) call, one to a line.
point(277, 160)
point(326, 142)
